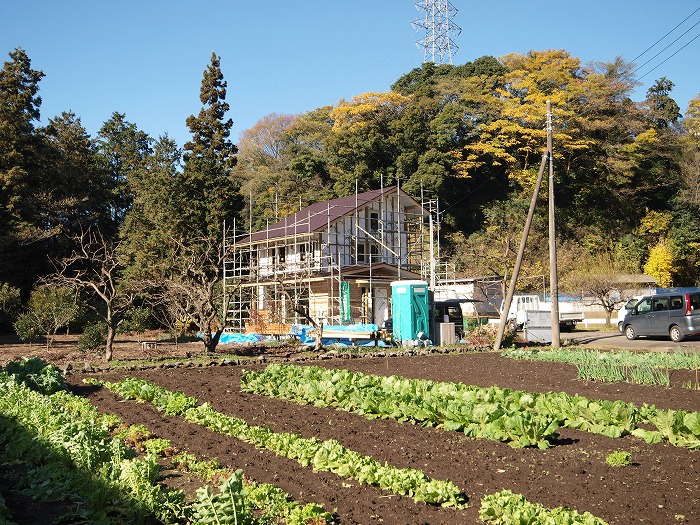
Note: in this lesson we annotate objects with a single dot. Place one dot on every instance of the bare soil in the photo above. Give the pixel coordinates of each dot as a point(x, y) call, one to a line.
point(662, 486)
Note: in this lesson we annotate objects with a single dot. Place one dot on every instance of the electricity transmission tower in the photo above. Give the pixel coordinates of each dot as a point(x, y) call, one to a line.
point(438, 46)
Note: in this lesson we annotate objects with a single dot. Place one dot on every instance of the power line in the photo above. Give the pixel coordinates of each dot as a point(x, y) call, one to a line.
point(672, 55)
point(339, 63)
point(660, 39)
point(664, 49)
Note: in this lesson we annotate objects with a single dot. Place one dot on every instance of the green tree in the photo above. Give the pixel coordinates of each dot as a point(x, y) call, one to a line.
point(10, 303)
point(281, 166)
point(154, 218)
point(21, 187)
point(122, 149)
point(211, 129)
point(136, 319)
point(684, 237)
point(663, 110)
point(49, 309)
point(206, 183)
point(173, 235)
point(77, 198)
point(360, 145)
point(690, 153)
point(429, 74)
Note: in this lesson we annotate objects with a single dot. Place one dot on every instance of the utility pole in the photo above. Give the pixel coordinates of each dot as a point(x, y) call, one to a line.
point(554, 282)
point(437, 45)
point(519, 258)
point(553, 275)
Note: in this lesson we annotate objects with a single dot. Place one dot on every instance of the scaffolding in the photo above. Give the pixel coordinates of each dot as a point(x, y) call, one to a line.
point(297, 265)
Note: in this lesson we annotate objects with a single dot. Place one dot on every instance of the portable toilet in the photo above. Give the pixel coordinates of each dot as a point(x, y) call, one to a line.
point(410, 312)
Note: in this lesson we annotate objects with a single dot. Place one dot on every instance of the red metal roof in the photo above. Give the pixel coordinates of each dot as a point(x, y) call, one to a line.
point(316, 217)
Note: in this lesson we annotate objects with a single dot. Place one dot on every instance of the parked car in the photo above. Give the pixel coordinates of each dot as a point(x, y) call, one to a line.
point(676, 315)
point(625, 310)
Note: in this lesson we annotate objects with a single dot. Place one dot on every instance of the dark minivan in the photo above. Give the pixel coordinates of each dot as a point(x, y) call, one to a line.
point(676, 315)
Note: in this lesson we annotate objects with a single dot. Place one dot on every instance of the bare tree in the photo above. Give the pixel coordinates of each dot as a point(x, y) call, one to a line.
point(94, 270)
point(598, 289)
point(303, 311)
point(597, 277)
point(191, 287)
point(169, 312)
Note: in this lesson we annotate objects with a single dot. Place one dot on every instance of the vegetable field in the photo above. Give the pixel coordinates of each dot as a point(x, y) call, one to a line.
point(658, 483)
point(402, 440)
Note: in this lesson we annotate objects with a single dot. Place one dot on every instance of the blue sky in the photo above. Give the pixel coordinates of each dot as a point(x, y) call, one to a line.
point(146, 58)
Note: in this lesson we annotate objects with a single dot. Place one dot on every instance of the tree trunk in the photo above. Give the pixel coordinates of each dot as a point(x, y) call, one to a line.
point(111, 332)
point(318, 343)
point(210, 342)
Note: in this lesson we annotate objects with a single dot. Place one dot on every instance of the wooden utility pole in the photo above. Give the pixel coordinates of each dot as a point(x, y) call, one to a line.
point(554, 282)
point(553, 275)
point(519, 258)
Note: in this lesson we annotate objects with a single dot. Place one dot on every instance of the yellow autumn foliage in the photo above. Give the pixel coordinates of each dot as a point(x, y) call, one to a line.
point(655, 223)
point(354, 114)
point(660, 264)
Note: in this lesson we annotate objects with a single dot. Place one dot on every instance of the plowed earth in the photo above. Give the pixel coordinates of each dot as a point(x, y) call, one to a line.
point(661, 487)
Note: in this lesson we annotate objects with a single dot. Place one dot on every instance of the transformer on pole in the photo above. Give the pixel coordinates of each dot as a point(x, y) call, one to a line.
point(438, 45)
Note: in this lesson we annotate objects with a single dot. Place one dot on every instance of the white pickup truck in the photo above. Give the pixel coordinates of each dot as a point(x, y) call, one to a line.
point(568, 318)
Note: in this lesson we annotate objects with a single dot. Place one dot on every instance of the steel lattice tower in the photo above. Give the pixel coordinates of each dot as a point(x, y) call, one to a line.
point(438, 46)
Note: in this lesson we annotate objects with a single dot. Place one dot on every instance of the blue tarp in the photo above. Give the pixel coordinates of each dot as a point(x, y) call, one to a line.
point(301, 332)
point(357, 327)
point(232, 339)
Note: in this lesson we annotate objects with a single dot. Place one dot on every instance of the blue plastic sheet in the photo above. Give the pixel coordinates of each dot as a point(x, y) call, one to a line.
point(232, 338)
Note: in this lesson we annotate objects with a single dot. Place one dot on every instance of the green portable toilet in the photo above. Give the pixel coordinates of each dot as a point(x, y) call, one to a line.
point(410, 312)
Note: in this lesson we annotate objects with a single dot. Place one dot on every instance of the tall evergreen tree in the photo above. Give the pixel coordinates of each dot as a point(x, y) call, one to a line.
point(206, 182)
point(77, 197)
point(153, 218)
point(174, 232)
point(122, 149)
point(210, 129)
point(20, 168)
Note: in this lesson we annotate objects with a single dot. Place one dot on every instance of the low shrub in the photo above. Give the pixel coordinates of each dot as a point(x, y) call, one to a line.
point(93, 338)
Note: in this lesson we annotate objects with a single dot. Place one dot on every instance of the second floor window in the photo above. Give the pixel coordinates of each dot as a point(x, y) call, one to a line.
point(374, 221)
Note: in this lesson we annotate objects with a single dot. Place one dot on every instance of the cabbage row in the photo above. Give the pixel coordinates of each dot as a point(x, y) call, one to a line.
point(506, 508)
point(75, 454)
point(503, 508)
point(327, 455)
point(70, 455)
point(519, 418)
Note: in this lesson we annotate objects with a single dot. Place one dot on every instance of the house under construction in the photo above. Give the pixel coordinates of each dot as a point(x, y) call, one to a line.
point(332, 262)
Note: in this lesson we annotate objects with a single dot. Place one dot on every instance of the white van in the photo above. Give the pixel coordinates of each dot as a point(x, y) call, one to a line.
point(625, 310)
point(676, 315)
